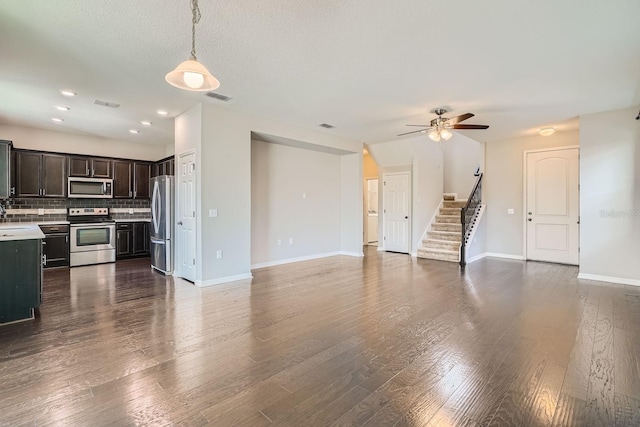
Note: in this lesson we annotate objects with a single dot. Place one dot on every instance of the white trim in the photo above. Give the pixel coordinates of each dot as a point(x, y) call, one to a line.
point(609, 279)
point(505, 256)
point(212, 282)
point(524, 191)
point(304, 258)
point(176, 211)
point(409, 209)
point(477, 257)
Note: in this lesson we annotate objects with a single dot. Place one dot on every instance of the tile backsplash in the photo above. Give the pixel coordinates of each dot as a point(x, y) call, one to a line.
point(26, 210)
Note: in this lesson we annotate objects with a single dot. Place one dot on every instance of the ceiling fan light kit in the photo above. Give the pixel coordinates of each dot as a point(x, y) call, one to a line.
point(190, 74)
point(440, 127)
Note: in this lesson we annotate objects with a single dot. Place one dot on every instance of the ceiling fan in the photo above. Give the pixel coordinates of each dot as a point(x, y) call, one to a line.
point(439, 127)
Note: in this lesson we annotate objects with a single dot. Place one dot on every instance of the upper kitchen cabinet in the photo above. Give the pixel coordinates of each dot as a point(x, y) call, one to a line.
point(122, 179)
point(141, 177)
point(163, 167)
point(5, 169)
point(89, 167)
point(40, 175)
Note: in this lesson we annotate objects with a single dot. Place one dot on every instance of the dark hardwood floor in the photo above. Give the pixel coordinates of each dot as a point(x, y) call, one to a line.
point(384, 340)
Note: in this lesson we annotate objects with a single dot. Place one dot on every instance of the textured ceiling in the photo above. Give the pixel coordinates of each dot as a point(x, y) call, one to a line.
point(366, 66)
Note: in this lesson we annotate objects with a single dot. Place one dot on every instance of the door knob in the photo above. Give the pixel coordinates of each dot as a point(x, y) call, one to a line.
point(529, 219)
point(530, 213)
point(179, 222)
point(406, 217)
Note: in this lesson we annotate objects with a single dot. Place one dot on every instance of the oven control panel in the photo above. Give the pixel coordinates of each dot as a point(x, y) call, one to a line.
point(88, 211)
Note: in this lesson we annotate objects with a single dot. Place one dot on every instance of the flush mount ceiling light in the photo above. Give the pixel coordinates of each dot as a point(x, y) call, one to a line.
point(162, 112)
point(68, 93)
point(146, 122)
point(547, 131)
point(61, 108)
point(190, 74)
point(134, 131)
point(57, 119)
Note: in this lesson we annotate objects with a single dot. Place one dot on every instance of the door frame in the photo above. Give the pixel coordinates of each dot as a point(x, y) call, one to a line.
point(176, 208)
point(365, 223)
point(383, 247)
point(525, 177)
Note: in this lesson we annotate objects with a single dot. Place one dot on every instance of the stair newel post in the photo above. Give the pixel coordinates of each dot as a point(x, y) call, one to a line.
point(463, 218)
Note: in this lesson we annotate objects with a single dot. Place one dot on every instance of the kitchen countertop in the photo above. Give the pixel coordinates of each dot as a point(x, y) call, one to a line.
point(133, 220)
point(19, 231)
point(17, 224)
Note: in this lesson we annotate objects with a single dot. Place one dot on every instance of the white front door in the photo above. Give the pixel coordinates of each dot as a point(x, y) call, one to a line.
point(186, 230)
point(396, 211)
point(552, 206)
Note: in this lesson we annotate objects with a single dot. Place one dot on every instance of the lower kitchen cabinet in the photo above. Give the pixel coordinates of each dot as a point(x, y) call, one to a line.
point(55, 246)
point(132, 239)
point(21, 284)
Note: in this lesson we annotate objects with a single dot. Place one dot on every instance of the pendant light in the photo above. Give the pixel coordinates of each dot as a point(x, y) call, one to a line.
point(190, 74)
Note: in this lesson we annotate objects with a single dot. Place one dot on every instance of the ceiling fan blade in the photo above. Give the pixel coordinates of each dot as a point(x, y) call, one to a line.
point(470, 127)
point(422, 126)
point(415, 131)
point(460, 118)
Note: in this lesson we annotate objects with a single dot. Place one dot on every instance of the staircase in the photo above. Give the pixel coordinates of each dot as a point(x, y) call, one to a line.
point(444, 237)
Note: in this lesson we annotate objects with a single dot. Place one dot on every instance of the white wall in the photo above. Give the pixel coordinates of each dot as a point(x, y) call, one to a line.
point(294, 194)
point(428, 184)
point(502, 189)
point(461, 157)
point(225, 176)
point(64, 142)
point(610, 196)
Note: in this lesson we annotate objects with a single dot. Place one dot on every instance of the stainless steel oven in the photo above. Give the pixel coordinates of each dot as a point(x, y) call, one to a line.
point(93, 237)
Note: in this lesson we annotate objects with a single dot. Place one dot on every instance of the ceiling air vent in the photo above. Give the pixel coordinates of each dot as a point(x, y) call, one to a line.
point(106, 104)
point(326, 125)
point(219, 97)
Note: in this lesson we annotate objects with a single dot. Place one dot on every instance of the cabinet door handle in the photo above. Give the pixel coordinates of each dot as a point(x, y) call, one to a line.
point(44, 259)
point(87, 171)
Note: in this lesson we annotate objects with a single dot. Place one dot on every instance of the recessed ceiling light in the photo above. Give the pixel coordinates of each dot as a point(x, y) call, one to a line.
point(146, 122)
point(134, 131)
point(162, 112)
point(61, 108)
point(57, 119)
point(67, 92)
point(547, 131)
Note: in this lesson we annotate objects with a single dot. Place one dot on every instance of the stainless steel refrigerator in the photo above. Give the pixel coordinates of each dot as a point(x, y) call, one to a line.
point(162, 223)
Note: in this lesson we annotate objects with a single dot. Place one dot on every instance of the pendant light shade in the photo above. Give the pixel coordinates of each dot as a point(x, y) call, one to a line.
point(192, 75)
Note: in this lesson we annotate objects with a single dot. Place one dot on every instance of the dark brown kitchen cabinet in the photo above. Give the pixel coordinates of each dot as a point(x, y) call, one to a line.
point(55, 246)
point(141, 176)
point(122, 179)
point(132, 239)
point(163, 167)
point(40, 175)
point(89, 167)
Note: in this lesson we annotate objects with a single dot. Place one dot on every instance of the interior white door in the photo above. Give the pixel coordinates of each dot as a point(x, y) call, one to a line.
point(552, 212)
point(396, 211)
point(186, 226)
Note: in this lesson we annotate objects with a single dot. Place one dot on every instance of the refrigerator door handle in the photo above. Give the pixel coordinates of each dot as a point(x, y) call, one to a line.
point(158, 242)
point(155, 201)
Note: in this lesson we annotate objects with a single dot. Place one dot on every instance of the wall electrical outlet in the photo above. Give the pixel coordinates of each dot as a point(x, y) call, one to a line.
point(291, 240)
point(304, 195)
point(40, 211)
point(130, 211)
point(219, 254)
point(279, 242)
point(510, 211)
point(213, 213)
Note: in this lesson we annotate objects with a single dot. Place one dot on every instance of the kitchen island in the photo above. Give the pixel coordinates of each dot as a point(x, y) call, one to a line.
point(20, 271)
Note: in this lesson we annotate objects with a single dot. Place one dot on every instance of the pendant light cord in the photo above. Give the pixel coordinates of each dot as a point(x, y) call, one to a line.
point(196, 18)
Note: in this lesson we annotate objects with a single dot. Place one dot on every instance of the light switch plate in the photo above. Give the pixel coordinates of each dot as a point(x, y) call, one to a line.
point(511, 211)
point(213, 213)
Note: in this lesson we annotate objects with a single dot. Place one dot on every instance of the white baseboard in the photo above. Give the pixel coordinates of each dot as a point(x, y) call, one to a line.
point(304, 258)
point(476, 258)
point(212, 282)
point(609, 279)
point(505, 256)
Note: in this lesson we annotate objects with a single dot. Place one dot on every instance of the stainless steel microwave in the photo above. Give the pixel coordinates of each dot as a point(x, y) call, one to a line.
point(90, 188)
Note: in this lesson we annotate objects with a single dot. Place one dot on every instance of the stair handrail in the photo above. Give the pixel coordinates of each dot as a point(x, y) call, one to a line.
point(467, 214)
